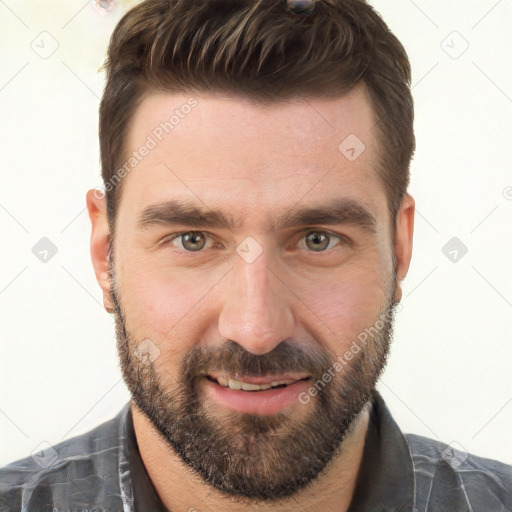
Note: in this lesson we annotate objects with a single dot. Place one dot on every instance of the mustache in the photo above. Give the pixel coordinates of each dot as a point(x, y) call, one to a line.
point(232, 358)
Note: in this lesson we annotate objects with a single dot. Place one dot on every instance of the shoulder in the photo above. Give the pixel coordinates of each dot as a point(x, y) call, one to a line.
point(73, 474)
point(446, 472)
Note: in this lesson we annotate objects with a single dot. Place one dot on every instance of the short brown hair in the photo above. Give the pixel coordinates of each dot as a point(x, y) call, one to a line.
point(262, 50)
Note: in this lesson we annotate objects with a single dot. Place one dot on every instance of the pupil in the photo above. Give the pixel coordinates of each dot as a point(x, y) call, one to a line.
point(318, 238)
point(191, 238)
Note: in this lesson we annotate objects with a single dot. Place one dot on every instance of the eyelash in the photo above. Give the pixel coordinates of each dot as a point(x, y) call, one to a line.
point(174, 236)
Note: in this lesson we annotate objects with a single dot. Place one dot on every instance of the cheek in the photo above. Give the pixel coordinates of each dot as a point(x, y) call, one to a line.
point(177, 309)
point(166, 308)
point(344, 304)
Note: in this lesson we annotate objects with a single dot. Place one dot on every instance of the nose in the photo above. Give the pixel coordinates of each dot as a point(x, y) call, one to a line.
point(256, 311)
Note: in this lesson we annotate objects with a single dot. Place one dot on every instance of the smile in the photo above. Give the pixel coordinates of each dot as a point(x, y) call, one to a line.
point(256, 395)
point(250, 386)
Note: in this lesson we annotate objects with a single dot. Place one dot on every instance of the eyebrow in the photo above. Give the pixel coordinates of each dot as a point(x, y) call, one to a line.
point(334, 212)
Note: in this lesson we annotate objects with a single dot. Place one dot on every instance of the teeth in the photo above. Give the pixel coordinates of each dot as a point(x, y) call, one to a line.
point(222, 381)
point(234, 384)
point(250, 387)
point(247, 386)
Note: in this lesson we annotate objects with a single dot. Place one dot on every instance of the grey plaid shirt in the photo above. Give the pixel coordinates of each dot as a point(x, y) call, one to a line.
point(102, 471)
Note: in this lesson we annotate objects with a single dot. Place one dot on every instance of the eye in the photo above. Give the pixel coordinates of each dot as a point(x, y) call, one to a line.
point(196, 241)
point(320, 241)
point(190, 241)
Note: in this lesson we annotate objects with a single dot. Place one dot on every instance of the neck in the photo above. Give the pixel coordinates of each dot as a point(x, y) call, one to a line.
point(181, 489)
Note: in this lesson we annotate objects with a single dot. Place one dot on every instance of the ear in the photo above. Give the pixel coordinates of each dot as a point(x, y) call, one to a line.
point(100, 236)
point(403, 241)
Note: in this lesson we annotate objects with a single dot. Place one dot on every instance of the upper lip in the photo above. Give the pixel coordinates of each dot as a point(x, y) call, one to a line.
point(265, 379)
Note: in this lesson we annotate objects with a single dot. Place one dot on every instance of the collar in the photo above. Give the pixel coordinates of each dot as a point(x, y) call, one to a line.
point(137, 490)
point(385, 480)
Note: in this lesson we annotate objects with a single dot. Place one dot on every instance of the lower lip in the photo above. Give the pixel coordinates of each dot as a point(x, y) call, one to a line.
point(271, 401)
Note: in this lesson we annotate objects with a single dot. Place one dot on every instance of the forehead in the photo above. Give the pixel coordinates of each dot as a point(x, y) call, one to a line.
point(221, 150)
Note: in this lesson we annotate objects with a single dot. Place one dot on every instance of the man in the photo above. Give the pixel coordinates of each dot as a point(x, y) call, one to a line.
point(251, 243)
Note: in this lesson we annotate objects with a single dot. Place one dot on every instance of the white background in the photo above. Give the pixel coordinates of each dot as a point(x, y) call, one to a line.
point(449, 375)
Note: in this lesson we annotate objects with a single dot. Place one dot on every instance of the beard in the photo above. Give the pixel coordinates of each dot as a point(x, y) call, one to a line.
point(253, 457)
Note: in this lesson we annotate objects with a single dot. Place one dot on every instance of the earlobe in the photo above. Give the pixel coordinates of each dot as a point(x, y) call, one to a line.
point(100, 238)
point(404, 241)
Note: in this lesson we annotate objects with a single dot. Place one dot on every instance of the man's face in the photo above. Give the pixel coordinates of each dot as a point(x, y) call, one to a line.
point(274, 297)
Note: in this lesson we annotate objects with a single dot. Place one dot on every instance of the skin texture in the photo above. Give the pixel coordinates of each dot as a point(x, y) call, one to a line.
point(292, 308)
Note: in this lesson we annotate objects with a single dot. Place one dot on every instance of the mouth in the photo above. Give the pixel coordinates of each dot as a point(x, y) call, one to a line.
point(252, 384)
point(266, 395)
